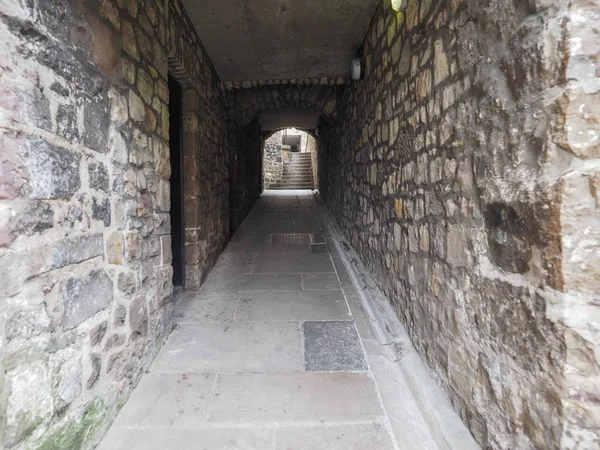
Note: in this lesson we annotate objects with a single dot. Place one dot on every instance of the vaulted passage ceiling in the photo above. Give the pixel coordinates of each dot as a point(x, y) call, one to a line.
point(281, 39)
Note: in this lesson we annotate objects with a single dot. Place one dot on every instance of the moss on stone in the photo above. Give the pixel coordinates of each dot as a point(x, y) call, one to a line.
point(75, 435)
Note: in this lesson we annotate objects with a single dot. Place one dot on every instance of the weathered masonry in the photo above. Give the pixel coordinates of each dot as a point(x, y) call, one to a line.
point(463, 167)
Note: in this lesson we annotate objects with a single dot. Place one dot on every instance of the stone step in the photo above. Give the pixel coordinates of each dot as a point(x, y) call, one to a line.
point(294, 182)
point(291, 187)
point(297, 165)
point(297, 169)
point(297, 175)
point(298, 172)
point(286, 167)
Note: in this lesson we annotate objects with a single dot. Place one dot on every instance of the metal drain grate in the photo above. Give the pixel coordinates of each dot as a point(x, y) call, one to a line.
point(291, 238)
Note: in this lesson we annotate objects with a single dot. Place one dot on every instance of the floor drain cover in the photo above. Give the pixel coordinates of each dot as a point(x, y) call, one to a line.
point(291, 238)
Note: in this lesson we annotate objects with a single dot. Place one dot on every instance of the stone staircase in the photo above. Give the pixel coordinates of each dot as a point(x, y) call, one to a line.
point(297, 173)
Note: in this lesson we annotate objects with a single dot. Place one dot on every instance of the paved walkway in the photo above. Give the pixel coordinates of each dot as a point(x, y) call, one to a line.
point(272, 353)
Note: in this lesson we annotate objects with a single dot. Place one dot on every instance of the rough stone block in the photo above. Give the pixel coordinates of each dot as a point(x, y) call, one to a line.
point(138, 315)
point(98, 332)
point(96, 120)
point(96, 363)
point(128, 39)
point(137, 110)
point(133, 245)
point(30, 401)
point(34, 108)
point(53, 171)
point(145, 86)
point(98, 175)
point(456, 252)
point(101, 211)
point(66, 252)
point(67, 372)
point(27, 323)
point(114, 248)
point(83, 297)
point(162, 159)
point(166, 249)
point(104, 44)
point(35, 218)
point(164, 285)
point(12, 165)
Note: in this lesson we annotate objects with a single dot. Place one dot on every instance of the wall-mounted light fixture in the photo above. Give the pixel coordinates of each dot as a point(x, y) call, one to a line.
point(399, 5)
point(356, 69)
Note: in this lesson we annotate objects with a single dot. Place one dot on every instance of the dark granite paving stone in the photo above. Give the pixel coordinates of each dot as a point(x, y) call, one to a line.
point(332, 346)
point(318, 248)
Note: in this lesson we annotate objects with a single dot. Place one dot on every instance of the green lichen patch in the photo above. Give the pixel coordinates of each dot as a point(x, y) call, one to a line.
point(77, 434)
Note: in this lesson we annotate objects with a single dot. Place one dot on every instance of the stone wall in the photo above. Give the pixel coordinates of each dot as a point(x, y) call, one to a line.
point(85, 273)
point(575, 165)
point(245, 171)
point(464, 170)
point(313, 149)
point(245, 104)
point(323, 156)
point(272, 160)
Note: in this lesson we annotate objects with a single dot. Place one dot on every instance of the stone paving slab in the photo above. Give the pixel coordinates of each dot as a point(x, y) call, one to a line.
point(332, 346)
point(281, 224)
point(320, 281)
point(168, 400)
point(292, 305)
point(331, 246)
point(294, 397)
point(272, 360)
point(361, 320)
point(235, 263)
point(232, 283)
point(403, 412)
point(372, 436)
point(342, 273)
point(234, 347)
point(265, 247)
point(372, 348)
point(195, 307)
point(286, 263)
point(186, 439)
point(295, 221)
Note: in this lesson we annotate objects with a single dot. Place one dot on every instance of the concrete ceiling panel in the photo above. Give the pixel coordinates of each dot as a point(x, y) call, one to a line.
point(281, 39)
point(288, 117)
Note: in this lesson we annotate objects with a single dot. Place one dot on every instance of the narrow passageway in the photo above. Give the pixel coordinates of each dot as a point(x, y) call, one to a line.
point(274, 352)
point(267, 354)
point(432, 282)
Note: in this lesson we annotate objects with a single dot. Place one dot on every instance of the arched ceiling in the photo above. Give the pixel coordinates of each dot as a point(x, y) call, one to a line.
point(283, 103)
point(281, 39)
point(288, 117)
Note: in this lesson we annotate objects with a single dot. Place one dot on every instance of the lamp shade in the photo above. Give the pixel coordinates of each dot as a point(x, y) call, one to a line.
point(399, 5)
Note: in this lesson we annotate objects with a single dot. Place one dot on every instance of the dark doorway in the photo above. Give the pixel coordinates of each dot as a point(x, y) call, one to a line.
point(177, 222)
